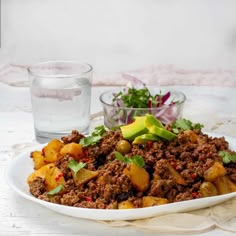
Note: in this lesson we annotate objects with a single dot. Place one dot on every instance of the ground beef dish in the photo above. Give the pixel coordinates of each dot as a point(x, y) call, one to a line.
point(190, 159)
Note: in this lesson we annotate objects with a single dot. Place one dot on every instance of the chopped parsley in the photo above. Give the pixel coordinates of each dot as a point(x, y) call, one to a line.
point(56, 190)
point(184, 124)
point(90, 140)
point(139, 98)
point(138, 160)
point(99, 130)
point(227, 157)
point(76, 166)
point(94, 137)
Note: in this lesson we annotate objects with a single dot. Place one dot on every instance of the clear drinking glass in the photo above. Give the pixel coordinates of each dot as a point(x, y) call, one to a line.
point(60, 95)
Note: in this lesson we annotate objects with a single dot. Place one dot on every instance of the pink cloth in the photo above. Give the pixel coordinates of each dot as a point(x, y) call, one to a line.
point(164, 75)
point(160, 75)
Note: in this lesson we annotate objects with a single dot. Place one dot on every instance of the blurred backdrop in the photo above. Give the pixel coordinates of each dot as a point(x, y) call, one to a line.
point(121, 35)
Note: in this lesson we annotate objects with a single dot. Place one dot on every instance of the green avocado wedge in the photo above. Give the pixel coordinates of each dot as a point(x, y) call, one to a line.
point(146, 128)
point(162, 132)
point(144, 138)
point(152, 120)
point(131, 131)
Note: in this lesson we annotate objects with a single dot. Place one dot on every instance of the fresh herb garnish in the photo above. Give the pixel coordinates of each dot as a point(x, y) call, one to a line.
point(94, 137)
point(56, 190)
point(136, 99)
point(227, 157)
point(76, 166)
point(184, 124)
point(99, 130)
point(90, 140)
point(138, 160)
point(139, 98)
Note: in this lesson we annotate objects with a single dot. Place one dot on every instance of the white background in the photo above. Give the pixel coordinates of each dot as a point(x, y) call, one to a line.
point(116, 35)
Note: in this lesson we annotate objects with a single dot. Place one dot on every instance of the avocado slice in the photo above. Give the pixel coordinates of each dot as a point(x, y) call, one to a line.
point(131, 131)
point(144, 138)
point(152, 120)
point(161, 132)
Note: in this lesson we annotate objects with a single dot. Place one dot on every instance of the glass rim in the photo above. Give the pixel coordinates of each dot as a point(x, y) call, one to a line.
point(179, 102)
point(32, 69)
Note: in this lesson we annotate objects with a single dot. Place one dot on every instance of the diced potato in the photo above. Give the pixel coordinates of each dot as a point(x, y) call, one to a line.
point(40, 173)
point(113, 205)
point(192, 136)
point(52, 150)
point(176, 175)
point(84, 175)
point(208, 189)
point(126, 205)
point(215, 171)
point(73, 149)
point(139, 177)
point(38, 159)
point(52, 175)
point(149, 201)
point(224, 185)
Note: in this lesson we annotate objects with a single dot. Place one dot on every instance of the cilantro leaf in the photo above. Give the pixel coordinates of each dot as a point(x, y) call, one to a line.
point(122, 158)
point(138, 160)
point(227, 157)
point(76, 166)
point(56, 190)
point(94, 137)
point(90, 140)
point(139, 98)
point(99, 130)
point(184, 124)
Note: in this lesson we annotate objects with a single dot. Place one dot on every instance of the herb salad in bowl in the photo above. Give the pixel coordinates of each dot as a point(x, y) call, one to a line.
point(121, 105)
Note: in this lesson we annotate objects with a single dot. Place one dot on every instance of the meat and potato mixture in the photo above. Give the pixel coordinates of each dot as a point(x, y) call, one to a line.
point(108, 171)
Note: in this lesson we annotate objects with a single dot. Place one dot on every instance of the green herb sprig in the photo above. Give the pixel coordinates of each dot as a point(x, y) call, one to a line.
point(184, 124)
point(138, 160)
point(227, 157)
point(139, 98)
point(75, 166)
point(94, 138)
point(56, 190)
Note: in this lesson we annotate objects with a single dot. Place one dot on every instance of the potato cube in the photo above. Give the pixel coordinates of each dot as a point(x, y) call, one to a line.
point(53, 178)
point(176, 175)
point(51, 174)
point(126, 205)
point(73, 149)
point(215, 171)
point(149, 201)
point(138, 176)
point(224, 185)
point(208, 189)
point(40, 173)
point(38, 159)
point(84, 175)
point(52, 150)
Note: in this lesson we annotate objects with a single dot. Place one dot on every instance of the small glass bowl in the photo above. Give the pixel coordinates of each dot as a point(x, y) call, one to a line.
point(115, 115)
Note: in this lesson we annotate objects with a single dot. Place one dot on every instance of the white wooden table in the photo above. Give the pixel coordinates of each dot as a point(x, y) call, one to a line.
point(215, 107)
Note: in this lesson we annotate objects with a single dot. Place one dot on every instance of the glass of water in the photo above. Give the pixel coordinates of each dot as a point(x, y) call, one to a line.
point(60, 95)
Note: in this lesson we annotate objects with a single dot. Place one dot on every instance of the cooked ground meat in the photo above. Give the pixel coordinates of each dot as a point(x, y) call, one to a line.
point(175, 171)
point(37, 187)
point(75, 136)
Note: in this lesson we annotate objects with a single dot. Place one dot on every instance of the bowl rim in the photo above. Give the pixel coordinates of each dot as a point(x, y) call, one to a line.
point(183, 99)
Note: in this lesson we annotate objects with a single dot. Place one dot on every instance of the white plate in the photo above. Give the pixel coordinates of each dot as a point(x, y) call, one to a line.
point(20, 168)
